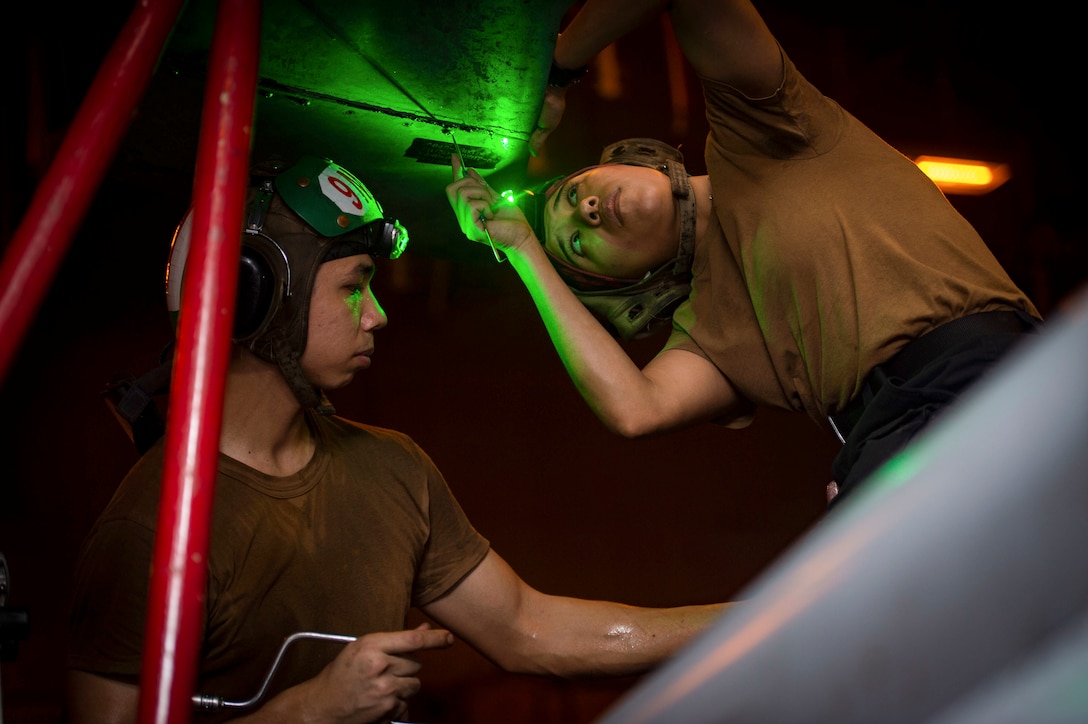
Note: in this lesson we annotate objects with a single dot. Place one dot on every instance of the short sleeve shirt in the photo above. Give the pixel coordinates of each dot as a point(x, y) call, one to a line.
point(828, 251)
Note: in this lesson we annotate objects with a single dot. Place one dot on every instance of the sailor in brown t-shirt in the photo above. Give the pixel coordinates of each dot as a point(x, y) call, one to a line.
point(321, 524)
point(814, 268)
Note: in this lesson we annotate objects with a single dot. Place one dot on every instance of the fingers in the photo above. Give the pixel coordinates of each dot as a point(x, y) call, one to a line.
point(551, 113)
point(460, 172)
point(536, 141)
point(429, 639)
point(471, 200)
point(398, 643)
point(468, 180)
point(375, 675)
point(475, 205)
point(538, 137)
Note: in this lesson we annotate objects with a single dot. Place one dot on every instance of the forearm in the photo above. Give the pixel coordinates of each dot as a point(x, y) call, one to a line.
point(599, 23)
point(607, 378)
point(725, 40)
point(577, 638)
point(523, 630)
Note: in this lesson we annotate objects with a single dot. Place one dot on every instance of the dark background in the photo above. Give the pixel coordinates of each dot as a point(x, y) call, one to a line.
point(465, 366)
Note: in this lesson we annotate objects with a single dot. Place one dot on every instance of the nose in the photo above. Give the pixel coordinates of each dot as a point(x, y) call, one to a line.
point(373, 317)
point(589, 210)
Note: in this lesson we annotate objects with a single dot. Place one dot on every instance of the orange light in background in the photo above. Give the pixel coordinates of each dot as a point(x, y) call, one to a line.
point(963, 176)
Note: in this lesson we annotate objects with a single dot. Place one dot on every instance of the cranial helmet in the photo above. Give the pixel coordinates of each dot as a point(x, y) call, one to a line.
point(297, 217)
point(630, 307)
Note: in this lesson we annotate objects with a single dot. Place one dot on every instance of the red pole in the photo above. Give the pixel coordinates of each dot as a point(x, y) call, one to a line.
point(179, 563)
point(68, 187)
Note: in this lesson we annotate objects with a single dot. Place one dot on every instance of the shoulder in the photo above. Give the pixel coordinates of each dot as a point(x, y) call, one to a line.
point(341, 428)
point(789, 84)
point(349, 437)
point(136, 499)
point(795, 121)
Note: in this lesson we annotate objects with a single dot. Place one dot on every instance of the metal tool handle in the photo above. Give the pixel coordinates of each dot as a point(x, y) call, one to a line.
point(206, 702)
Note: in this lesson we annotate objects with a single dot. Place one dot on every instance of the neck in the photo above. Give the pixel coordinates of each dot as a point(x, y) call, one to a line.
point(264, 426)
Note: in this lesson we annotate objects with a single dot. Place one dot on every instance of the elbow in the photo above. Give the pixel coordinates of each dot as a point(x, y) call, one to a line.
point(630, 430)
point(525, 667)
point(528, 658)
point(630, 423)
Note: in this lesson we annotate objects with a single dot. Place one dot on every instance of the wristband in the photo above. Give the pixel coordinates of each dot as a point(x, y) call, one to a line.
point(563, 77)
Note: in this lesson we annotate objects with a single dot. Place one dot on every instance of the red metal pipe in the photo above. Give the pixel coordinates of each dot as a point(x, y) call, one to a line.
point(179, 568)
point(68, 187)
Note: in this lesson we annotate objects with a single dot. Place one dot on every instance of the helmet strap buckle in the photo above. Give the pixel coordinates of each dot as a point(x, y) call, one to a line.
point(258, 209)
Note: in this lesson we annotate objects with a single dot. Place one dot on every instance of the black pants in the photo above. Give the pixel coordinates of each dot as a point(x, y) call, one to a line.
point(892, 408)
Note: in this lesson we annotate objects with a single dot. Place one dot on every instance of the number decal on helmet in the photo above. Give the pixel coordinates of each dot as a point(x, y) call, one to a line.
point(342, 189)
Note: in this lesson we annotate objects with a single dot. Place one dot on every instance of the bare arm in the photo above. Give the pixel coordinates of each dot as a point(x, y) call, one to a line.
point(727, 41)
point(675, 389)
point(525, 631)
point(724, 40)
point(371, 680)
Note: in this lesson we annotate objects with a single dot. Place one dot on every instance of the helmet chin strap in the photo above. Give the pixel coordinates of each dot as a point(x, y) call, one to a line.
point(685, 199)
point(305, 392)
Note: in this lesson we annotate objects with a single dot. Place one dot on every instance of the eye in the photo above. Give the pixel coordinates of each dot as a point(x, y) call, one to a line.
point(572, 194)
point(576, 243)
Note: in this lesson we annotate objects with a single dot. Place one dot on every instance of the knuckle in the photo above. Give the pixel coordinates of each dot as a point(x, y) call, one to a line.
point(384, 688)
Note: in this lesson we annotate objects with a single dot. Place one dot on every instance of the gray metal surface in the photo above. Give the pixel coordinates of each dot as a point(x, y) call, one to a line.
point(962, 559)
point(378, 87)
point(1048, 686)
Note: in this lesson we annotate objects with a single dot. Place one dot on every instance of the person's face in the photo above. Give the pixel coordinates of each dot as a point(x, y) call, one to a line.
point(613, 219)
point(344, 314)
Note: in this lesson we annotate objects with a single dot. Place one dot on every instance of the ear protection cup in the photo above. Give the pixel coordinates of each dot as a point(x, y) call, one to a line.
point(264, 276)
point(296, 219)
point(257, 292)
point(641, 309)
point(175, 265)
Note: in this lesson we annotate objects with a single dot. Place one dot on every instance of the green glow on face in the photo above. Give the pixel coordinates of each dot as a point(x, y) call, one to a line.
point(355, 304)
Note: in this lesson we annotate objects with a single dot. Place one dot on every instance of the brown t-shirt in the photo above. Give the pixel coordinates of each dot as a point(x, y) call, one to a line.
point(365, 530)
point(828, 252)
